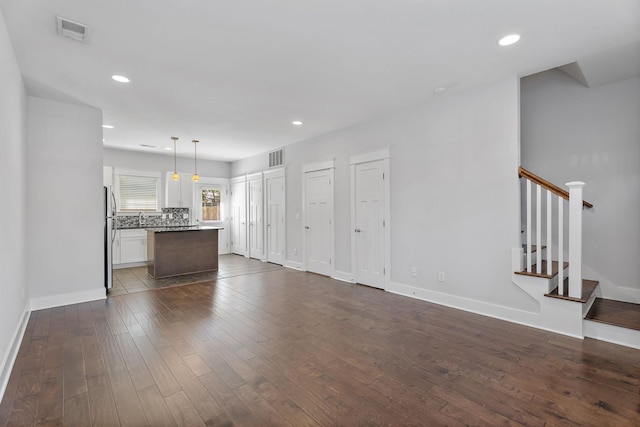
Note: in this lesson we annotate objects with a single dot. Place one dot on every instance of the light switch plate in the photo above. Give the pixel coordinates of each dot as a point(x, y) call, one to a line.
point(185, 216)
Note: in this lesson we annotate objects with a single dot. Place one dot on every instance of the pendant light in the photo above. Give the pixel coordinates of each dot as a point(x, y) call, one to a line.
point(176, 175)
point(195, 176)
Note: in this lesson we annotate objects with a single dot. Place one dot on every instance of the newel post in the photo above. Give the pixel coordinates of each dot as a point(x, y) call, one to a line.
point(575, 238)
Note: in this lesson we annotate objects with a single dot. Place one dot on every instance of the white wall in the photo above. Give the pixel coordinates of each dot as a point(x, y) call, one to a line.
point(13, 194)
point(571, 132)
point(65, 218)
point(454, 193)
point(163, 163)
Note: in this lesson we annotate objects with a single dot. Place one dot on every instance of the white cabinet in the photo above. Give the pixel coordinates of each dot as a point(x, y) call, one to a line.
point(179, 194)
point(115, 256)
point(131, 246)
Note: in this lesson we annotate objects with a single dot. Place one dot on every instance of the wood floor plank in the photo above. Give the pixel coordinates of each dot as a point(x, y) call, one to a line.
point(158, 369)
point(262, 345)
point(101, 403)
point(140, 375)
point(183, 410)
point(76, 410)
point(155, 408)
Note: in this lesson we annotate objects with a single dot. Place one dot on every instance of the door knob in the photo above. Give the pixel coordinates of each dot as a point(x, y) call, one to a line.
point(357, 230)
point(306, 227)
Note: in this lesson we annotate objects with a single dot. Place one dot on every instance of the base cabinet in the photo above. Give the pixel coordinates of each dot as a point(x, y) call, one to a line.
point(130, 246)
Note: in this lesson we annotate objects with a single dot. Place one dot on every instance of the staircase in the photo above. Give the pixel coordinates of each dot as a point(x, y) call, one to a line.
point(551, 272)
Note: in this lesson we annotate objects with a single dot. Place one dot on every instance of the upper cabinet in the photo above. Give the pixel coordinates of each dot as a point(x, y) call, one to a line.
point(179, 194)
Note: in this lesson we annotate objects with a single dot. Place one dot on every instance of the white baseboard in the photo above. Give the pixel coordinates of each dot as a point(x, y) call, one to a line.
point(68, 298)
point(12, 351)
point(343, 276)
point(292, 264)
point(129, 265)
point(612, 334)
point(520, 317)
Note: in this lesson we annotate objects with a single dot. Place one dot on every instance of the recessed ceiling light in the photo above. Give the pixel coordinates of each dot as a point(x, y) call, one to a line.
point(439, 90)
point(107, 126)
point(120, 79)
point(168, 148)
point(508, 40)
point(296, 123)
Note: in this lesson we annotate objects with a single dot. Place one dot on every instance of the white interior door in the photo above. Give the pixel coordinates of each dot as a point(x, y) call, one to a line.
point(319, 221)
point(239, 218)
point(275, 219)
point(369, 223)
point(256, 223)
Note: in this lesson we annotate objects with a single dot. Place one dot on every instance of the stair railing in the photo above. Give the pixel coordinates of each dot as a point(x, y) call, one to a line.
point(576, 204)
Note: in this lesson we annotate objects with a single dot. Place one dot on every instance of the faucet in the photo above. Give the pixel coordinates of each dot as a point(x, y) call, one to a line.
point(140, 218)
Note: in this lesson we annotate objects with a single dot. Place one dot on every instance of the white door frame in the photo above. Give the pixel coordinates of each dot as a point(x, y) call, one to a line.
point(240, 180)
point(314, 167)
point(275, 173)
point(225, 208)
point(365, 158)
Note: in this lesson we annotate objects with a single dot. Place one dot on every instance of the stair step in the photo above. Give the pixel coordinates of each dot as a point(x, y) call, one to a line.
point(616, 313)
point(554, 270)
point(534, 248)
point(588, 288)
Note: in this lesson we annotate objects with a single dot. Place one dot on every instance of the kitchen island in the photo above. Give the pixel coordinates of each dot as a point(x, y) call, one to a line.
point(174, 251)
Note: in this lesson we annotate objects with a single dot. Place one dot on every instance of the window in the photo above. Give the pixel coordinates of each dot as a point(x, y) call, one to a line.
point(138, 192)
point(210, 200)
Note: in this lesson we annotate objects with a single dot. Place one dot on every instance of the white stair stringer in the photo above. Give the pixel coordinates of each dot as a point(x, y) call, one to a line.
point(610, 333)
point(557, 315)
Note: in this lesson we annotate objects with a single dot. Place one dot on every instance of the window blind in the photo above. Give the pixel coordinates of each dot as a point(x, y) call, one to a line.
point(138, 193)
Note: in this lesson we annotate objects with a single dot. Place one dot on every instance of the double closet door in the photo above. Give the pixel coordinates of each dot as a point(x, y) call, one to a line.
point(258, 216)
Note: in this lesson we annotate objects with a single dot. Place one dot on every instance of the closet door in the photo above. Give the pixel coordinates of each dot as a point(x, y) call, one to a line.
point(318, 221)
point(275, 218)
point(256, 223)
point(239, 218)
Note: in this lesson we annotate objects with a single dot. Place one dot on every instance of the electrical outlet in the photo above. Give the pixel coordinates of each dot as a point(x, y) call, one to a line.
point(441, 276)
point(170, 216)
point(414, 271)
point(185, 216)
point(164, 216)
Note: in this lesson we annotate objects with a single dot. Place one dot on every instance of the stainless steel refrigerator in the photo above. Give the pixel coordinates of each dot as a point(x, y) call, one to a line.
point(109, 235)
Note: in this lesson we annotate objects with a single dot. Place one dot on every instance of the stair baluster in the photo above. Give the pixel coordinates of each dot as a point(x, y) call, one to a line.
point(560, 245)
point(575, 238)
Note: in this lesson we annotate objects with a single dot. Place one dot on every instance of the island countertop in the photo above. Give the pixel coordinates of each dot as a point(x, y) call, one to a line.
point(182, 228)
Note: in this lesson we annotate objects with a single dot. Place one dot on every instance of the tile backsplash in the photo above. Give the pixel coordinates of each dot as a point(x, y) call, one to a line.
point(162, 220)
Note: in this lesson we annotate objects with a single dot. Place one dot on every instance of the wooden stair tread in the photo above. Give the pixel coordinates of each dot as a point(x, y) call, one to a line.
point(534, 248)
point(616, 313)
point(554, 270)
point(588, 288)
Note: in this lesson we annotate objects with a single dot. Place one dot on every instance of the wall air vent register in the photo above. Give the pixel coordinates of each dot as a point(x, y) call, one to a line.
point(276, 158)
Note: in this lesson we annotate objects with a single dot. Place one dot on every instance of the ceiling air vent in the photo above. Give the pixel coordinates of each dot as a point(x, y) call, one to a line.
point(276, 158)
point(71, 29)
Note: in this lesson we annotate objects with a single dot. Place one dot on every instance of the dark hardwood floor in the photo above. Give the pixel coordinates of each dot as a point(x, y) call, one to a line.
point(283, 347)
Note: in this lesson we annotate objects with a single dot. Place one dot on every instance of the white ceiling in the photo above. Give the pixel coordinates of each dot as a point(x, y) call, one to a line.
point(234, 74)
